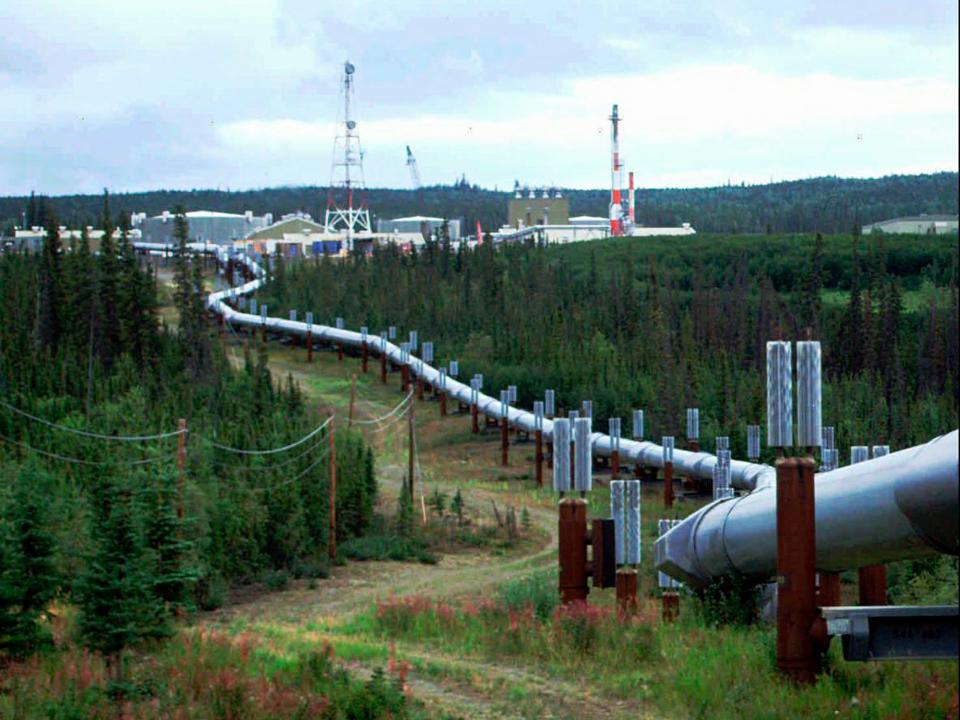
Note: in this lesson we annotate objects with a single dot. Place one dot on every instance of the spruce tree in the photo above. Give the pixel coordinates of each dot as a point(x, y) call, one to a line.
point(172, 577)
point(28, 580)
point(108, 325)
point(118, 609)
point(51, 287)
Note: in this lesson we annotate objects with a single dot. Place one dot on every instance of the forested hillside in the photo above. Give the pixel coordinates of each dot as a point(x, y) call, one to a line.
point(664, 324)
point(827, 204)
point(94, 511)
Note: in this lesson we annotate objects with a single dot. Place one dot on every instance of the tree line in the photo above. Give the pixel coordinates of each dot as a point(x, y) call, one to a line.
point(825, 204)
point(111, 525)
point(663, 324)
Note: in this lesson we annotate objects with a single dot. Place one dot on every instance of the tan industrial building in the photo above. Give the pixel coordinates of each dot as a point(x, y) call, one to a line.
point(537, 207)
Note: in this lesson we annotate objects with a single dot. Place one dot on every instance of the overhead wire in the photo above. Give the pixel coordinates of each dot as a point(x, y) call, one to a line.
point(396, 408)
point(323, 455)
point(272, 451)
point(81, 461)
point(87, 433)
point(274, 466)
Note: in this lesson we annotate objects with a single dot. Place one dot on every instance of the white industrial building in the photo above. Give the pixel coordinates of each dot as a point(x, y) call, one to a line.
point(918, 224)
point(583, 228)
point(426, 226)
point(210, 226)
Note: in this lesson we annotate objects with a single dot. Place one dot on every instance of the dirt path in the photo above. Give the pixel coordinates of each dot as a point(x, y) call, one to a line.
point(450, 458)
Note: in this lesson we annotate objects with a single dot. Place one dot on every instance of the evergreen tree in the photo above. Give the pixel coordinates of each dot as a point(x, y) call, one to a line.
point(51, 287)
point(813, 289)
point(108, 324)
point(28, 581)
point(117, 606)
point(172, 578)
point(850, 350)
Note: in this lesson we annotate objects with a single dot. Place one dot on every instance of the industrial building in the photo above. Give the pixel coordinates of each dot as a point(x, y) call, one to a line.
point(920, 224)
point(428, 227)
point(31, 239)
point(219, 228)
point(537, 206)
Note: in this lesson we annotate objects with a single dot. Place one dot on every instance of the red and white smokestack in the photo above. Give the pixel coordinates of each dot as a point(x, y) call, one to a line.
point(631, 213)
point(616, 210)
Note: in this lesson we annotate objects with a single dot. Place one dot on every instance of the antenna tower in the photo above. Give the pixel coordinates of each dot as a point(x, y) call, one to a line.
point(414, 171)
point(346, 171)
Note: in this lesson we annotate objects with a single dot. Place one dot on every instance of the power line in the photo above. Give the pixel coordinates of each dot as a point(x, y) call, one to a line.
point(272, 451)
point(311, 466)
point(81, 461)
point(85, 433)
point(390, 414)
point(274, 466)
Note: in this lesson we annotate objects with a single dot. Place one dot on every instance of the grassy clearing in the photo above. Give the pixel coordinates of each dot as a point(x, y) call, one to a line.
point(483, 624)
point(686, 670)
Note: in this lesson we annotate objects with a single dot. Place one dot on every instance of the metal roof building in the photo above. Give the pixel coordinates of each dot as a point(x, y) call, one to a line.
point(426, 226)
point(920, 224)
point(205, 226)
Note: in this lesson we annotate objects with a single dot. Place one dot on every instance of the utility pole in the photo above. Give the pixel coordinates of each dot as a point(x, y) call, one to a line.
point(181, 464)
point(331, 435)
point(353, 400)
point(410, 446)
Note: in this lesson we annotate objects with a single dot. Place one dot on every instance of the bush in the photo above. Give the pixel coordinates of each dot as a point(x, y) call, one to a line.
point(732, 600)
point(211, 591)
point(311, 568)
point(276, 579)
point(386, 547)
point(537, 590)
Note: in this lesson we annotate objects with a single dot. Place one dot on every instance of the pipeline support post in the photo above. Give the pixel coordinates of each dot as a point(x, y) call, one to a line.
point(504, 442)
point(364, 356)
point(340, 352)
point(615, 465)
point(474, 418)
point(405, 378)
point(572, 550)
point(798, 656)
point(443, 403)
point(538, 457)
point(383, 367)
point(309, 346)
point(872, 582)
point(670, 606)
point(828, 590)
point(420, 389)
point(668, 485)
point(627, 591)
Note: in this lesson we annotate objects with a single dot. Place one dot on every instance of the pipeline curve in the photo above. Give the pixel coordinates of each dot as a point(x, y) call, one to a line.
point(903, 505)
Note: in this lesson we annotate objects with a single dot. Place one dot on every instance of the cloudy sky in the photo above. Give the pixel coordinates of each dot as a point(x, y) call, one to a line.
point(181, 94)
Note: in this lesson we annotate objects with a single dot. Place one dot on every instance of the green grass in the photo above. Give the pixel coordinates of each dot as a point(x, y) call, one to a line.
point(690, 669)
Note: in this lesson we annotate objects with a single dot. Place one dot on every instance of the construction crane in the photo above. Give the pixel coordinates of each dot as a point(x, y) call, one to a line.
point(414, 172)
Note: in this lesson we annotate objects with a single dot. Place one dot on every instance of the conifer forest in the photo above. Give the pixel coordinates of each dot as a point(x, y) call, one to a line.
point(165, 516)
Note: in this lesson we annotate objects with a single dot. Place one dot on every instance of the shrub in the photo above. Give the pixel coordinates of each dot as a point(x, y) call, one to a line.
point(386, 547)
point(537, 590)
point(276, 579)
point(731, 600)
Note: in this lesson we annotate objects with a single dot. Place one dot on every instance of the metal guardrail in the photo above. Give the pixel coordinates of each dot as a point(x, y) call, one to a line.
point(891, 632)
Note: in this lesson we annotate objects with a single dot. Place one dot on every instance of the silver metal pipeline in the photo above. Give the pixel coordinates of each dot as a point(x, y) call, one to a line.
point(895, 507)
point(902, 505)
